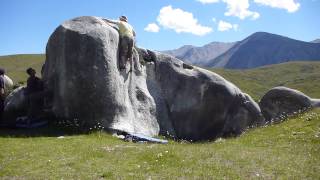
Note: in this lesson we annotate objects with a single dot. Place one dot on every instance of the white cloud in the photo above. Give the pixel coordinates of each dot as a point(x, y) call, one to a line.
point(181, 21)
point(208, 1)
point(290, 5)
point(240, 9)
point(225, 26)
point(153, 27)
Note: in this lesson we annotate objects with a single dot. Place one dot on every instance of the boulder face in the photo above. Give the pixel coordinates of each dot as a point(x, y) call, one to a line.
point(200, 104)
point(16, 100)
point(282, 101)
point(162, 96)
point(81, 70)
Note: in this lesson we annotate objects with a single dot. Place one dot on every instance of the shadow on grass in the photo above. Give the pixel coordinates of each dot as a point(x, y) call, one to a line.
point(52, 129)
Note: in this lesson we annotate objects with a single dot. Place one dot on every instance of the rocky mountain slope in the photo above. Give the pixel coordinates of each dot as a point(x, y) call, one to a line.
point(316, 41)
point(257, 50)
point(262, 49)
point(200, 55)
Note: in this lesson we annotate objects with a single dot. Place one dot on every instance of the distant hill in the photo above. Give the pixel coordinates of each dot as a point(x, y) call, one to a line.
point(200, 55)
point(16, 65)
point(303, 76)
point(316, 41)
point(262, 48)
point(259, 49)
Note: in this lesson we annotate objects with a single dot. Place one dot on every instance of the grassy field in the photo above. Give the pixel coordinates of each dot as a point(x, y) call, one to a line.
point(289, 150)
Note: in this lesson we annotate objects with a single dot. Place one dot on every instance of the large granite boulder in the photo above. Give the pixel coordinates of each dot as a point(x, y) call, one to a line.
point(81, 70)
point(280, 102)
point(162, 96)
point(199, 104)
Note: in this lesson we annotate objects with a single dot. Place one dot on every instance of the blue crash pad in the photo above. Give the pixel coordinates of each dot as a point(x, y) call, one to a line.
point(143, 138)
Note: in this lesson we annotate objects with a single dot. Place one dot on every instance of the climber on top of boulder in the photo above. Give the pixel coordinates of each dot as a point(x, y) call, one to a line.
point(127, 35)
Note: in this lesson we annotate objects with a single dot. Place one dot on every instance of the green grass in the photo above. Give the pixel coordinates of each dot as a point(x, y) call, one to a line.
point(289, 150)
point(16, 65)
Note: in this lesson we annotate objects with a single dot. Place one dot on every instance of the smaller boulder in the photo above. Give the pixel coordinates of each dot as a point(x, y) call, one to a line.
point(8, 83)
point(280, 102)
point(15, 105)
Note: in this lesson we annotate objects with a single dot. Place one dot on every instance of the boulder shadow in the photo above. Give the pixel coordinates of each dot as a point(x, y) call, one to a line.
point(52, 129)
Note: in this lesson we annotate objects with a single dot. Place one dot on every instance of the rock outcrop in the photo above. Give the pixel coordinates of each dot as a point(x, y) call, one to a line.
point(81, 71)
point(198, 103)
point(163, 96)
point(280, 102)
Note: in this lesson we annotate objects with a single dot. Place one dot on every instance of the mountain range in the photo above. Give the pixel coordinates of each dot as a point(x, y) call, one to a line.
point(200, 55)
point(316, 41)
point(259, 49)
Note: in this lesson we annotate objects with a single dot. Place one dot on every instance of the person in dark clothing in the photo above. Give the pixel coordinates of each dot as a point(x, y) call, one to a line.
point(34, 95)
point(2, 92)
point(34, 83)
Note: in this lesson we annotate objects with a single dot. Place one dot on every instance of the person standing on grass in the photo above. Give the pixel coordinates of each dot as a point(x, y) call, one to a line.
point(34, 95)
point(127, 35)
point(2, 92)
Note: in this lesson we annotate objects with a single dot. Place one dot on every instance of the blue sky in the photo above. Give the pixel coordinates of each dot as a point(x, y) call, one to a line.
point(27, 24)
